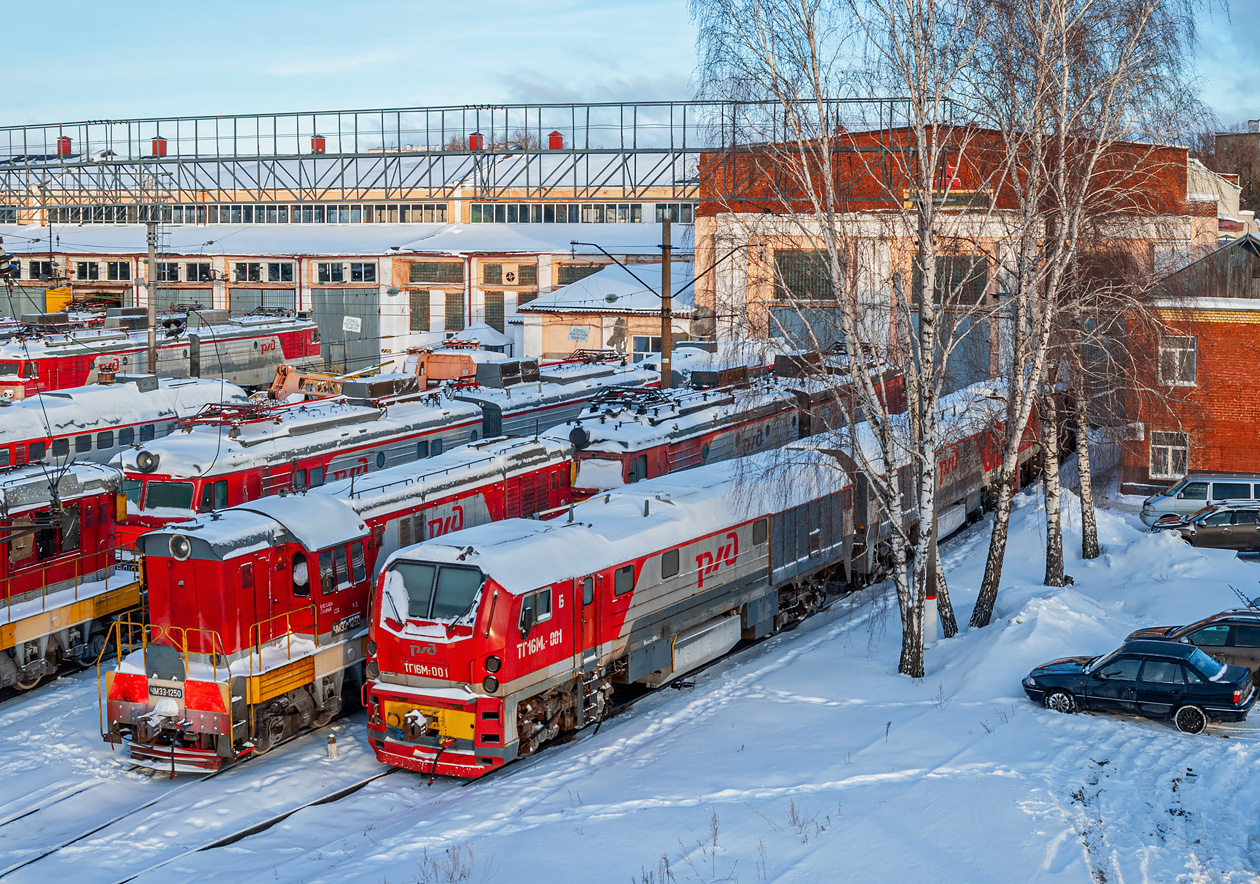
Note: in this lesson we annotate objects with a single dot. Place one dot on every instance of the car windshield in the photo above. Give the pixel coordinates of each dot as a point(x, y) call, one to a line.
point(1172, 492)
point(1210, 668)
point(1207, 510)
point(1101, 660)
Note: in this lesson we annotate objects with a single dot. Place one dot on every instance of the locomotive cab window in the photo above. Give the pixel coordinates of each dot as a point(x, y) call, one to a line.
point(214, 496)
point(70, 533)
point(358, 570)
point(343, 567)
point(82, 444)
point(422, 449)
point(669, 563)
point(543, 605)
point(623, 580)
point(126, 436)
point(588, 590)
point(37, 451)
point(175, 495)
point(327, 579)
point(5, 457)
point(301, 576)
point(147, 432)
point(105, 440)
point(60, 447)
point(316, 477)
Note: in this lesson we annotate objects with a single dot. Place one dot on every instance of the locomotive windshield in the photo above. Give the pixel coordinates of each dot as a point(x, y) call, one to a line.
point(434, 592)
point(173, 495)
point(10, 369)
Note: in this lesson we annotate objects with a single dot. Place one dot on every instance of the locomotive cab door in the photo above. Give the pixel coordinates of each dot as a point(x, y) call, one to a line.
point(586, 622)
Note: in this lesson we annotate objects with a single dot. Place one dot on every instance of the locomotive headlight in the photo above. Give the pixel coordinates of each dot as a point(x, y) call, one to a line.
point(371, 647)
point(493, 663)
point(147, 461)
point(491, 684)
point(372, 669)
point(181, 549)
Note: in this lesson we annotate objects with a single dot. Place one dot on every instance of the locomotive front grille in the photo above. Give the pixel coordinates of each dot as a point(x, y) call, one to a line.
point(401, 716)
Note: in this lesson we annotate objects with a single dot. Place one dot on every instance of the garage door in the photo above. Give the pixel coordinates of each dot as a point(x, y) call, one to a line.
point(248, 300)
point(349, 327)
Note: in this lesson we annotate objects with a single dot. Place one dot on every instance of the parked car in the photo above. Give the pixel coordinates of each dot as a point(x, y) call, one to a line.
point(1194, 492)
point(1160, 679)
point(1219, 526)
point(1231, 637)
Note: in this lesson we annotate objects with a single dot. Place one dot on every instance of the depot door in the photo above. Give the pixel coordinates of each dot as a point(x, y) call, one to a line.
point(586, 625)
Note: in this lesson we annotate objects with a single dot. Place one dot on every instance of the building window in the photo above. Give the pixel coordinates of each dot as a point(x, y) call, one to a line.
point(168, 271)
point(527, 274)
point(334, 272)
point(492, 274)
point(8, 214)
point(645, 346)
point(280, 271)
point(247, 271)
point(41, 270)
point(198, 272)
point(419, 310)
point(679, 213)
point(802, 275)
point(454, 311)
point(494, 310)
point(523, 298)
point(363, 272)
point(567, 273)
point(118, 271)
point(438, 271)
point(87, 270)
point(1170, 455)
point(1178, 360)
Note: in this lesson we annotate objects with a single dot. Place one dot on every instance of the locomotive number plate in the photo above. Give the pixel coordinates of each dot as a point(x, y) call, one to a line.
point(347, 624)
point(161, 690)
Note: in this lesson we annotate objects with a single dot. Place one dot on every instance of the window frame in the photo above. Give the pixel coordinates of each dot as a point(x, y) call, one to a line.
point(1169, 454)
point(1177, 360)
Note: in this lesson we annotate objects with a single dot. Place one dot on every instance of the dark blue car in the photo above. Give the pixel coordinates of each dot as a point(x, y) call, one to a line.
point(1155, 678)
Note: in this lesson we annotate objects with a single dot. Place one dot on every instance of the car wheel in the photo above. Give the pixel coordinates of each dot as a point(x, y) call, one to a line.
point(1060, 701)
point(1190, 720)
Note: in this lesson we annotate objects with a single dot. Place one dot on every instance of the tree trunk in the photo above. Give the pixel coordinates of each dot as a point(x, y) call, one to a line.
point(944, 608)
point(983, 612)
point(1050, 478)
point(910, 599)
point(1089, 525)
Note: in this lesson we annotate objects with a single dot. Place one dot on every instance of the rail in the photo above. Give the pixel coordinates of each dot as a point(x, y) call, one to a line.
point(257, 644)
point(76, 580)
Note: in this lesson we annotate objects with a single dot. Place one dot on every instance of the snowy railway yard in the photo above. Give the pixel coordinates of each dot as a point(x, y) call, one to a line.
point(804, 757)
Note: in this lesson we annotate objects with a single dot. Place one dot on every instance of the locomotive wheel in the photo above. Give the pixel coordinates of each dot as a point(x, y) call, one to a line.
point(270, 731)
point(28, 685)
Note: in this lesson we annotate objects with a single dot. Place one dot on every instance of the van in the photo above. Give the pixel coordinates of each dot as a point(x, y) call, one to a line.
point(1194, 492)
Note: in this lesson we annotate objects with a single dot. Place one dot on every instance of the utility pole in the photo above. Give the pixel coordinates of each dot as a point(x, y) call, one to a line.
point(151, 288)
point(667, 307)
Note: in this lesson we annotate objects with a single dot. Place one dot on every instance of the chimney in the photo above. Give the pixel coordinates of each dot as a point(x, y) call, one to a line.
point(1253, 125)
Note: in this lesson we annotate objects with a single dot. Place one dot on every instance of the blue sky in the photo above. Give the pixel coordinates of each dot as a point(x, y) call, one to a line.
point(91, 60)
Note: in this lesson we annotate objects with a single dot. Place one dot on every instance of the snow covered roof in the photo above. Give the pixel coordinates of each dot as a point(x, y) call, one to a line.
point(409, 485)
point(484, 335)
point(28, 487)
point(343, 239)
point(323, 425)
point(522, 555)
point(102, 406)
point(617, 290)
point(315, 521)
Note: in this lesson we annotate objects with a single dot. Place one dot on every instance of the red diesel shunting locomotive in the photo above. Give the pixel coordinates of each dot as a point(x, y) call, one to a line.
point(60, 589)
point(257, 612)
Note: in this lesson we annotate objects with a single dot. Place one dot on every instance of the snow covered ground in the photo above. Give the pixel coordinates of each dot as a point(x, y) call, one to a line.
point(803, 758)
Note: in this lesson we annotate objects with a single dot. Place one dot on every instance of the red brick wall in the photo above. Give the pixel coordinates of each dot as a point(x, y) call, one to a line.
point(1221, 412)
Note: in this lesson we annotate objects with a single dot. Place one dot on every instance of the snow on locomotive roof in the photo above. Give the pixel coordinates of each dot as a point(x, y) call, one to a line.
point(100, 406)
point(522, 555)
point(315, 522)
point(960, 414)
point(383, 490)
point(536, 393)
point(294, 431)
point(685, 412)
point(29, 487)
point(93, 340)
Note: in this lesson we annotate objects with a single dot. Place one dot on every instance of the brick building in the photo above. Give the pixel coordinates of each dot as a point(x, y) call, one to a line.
point(769, 276)
point(1198, 400)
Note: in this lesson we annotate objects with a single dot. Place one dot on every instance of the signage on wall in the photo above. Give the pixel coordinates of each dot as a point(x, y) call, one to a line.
point(579, 333)
point(352, 324)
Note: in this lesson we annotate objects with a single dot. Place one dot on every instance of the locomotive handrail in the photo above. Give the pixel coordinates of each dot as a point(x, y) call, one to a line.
point(257, 644)
point(79, 577)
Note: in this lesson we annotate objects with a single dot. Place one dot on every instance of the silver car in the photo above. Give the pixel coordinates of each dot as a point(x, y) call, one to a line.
point(1195, 492)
